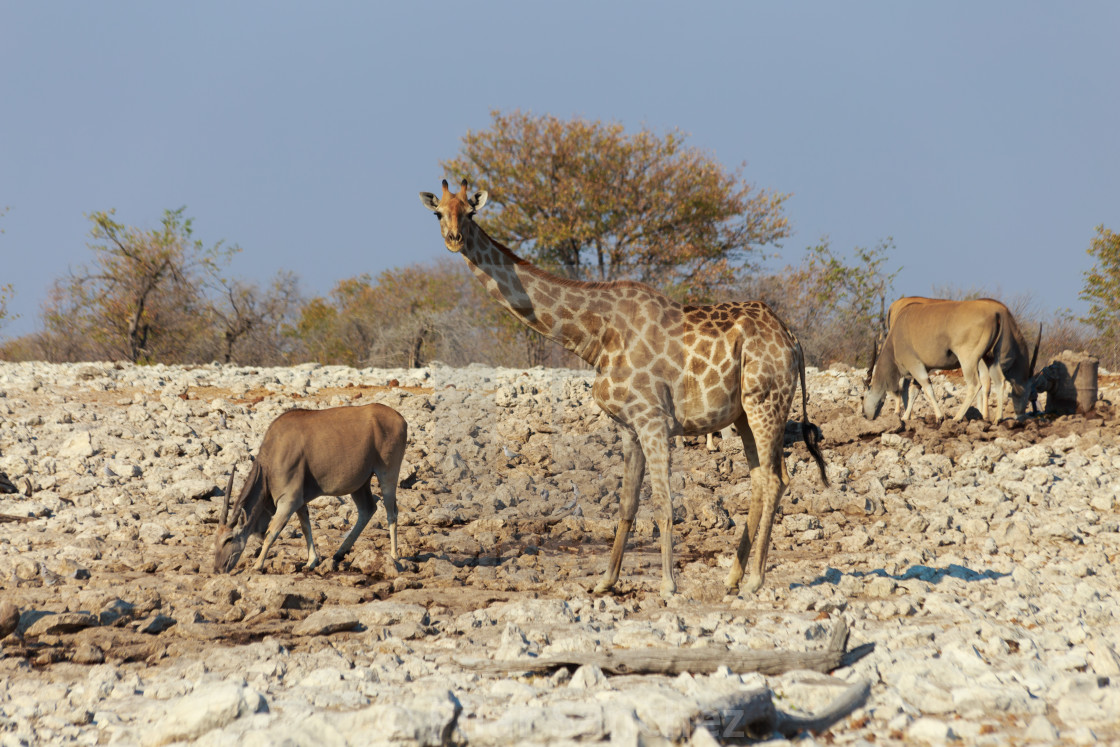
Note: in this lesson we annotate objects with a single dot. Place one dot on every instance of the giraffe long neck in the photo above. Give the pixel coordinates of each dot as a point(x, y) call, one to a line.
point(561, 310)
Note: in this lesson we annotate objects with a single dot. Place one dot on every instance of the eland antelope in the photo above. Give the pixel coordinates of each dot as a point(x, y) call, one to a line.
point(979, 336)
point(306, 454)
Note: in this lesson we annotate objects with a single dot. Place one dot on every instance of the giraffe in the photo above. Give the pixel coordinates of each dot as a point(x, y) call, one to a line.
point(663, 370)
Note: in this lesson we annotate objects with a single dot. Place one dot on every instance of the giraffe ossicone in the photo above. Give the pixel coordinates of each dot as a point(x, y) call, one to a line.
point(663, 370)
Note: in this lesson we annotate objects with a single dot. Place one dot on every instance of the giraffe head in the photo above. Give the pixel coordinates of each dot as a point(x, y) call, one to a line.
point(454, 212)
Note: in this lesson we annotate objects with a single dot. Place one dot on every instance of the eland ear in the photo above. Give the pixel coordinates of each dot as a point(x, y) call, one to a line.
point(430, 201)
point(479, 199)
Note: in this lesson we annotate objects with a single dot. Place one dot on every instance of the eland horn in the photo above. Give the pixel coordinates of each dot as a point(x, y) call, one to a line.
point(1034, 355)
point(229, 490)
point(871, 365)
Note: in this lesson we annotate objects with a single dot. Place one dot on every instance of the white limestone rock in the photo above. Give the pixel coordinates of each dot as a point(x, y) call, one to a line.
point(191, 716)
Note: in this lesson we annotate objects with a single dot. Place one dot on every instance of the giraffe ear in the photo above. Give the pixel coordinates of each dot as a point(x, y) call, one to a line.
point(479, 200)
point(430, 201)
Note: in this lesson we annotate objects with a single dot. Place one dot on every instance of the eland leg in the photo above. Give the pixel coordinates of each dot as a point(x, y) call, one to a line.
point(365, 503)
point(285, 507)
point(909, 395)
point(972, 381)
point(997, 376)
point(922, 377)
point(387, 478)
point(985, 389)
point(305, 524)
point(635, 467)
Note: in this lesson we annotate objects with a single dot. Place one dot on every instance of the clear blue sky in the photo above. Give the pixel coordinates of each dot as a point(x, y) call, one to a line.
point(981, 136)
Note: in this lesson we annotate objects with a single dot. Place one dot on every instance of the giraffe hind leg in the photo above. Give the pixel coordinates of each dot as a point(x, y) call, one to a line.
point(769, 477)
point(655, 444)
point(768, 482)
point(735, 575)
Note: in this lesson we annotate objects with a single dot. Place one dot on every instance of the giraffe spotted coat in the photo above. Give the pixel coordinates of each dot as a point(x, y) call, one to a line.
point(664, 370)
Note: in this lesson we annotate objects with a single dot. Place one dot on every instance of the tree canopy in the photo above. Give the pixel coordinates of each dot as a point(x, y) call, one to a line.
point(6, 290)
point(593, 202)
point(140, 298)
point(1102, 292)
point(836, 307)
point(404, 317)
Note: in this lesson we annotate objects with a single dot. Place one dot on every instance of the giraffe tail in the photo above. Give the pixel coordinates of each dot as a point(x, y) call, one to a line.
point(809, 431)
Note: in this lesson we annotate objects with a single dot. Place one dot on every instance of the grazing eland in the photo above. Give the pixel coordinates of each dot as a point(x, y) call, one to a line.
point(978, 336)
point(909, 389)
point(306, 454)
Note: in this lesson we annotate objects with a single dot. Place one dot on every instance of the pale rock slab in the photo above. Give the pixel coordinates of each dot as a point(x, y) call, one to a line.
point(193, 715)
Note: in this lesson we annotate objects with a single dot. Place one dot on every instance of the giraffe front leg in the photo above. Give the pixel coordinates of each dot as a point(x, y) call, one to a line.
point(635, 467)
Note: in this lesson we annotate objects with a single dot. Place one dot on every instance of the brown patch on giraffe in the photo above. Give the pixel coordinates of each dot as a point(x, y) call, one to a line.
point(592, 324)
point(570, 330)
point(704, 348)
point(642, 354)
point(612, 340)
point(712, 378)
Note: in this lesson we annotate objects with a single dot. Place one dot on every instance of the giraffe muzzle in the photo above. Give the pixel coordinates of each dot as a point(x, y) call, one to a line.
point(454, 241)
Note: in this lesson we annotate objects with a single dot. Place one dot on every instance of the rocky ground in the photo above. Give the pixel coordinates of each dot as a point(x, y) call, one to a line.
point(977, 560)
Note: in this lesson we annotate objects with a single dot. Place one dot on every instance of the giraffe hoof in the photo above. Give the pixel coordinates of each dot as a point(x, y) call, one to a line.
point(754, 583)
point(601, 588)
point(311, 565)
